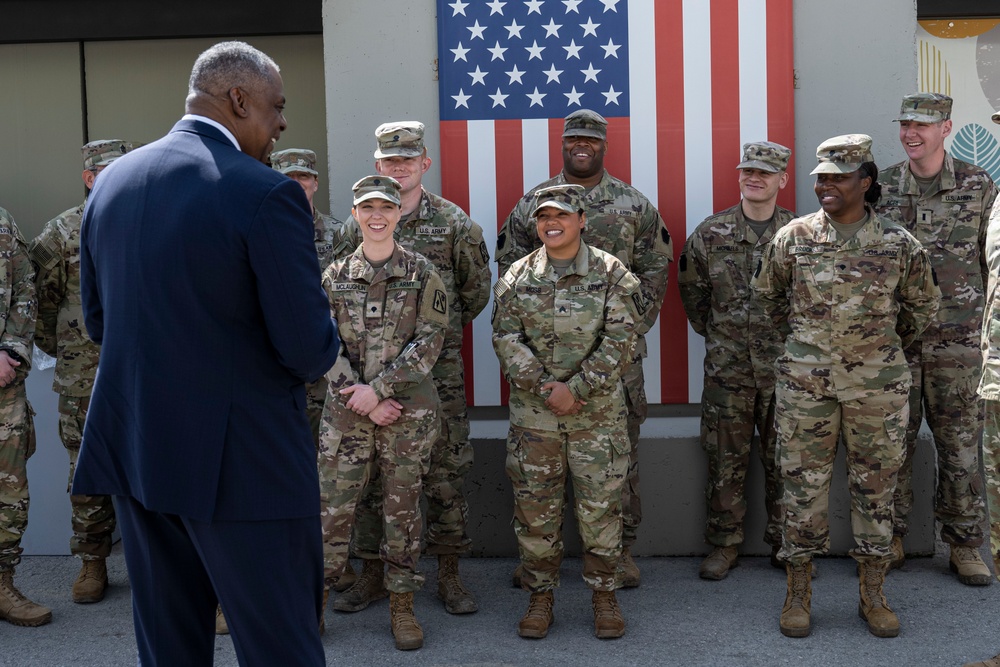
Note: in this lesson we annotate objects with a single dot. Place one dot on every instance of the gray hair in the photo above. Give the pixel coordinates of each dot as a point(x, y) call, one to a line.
point(228, 65)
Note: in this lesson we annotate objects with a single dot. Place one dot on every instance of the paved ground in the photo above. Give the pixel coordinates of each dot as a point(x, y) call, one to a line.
point(674, 618)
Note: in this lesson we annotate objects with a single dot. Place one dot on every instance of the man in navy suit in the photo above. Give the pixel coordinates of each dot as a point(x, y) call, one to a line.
point(199, 280)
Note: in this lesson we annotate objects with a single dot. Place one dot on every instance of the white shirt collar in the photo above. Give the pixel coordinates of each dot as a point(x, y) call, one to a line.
point(214, 123)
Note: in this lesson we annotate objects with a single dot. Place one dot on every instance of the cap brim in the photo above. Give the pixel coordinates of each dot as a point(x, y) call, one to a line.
point(596, 134)
point(297, 170)
point(398, 152)
point(554, 204)
point(759, 164)
point(919, 118)
point(836, 168)
point(376, 195)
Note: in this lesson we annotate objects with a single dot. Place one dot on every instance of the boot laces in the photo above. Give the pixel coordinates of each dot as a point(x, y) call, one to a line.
point(966, 554)
point(539, 606)
point(873, 580)
point(7, 587)
point(604, 604)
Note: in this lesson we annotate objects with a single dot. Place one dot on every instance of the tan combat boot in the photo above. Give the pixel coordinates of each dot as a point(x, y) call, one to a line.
point(405, 629)
point(536, 621)
point(457, 598)
point(718, 563)
point(17, 609)
point(91, 582)
point(628, 571)
point(515, 578)
point(992, 662)
point(798, 601)
point(898, 556)
point(608, 620)
point(367, 589)
point(221, 626)
point(346, 580)
point(882, 621)
point(970, 568)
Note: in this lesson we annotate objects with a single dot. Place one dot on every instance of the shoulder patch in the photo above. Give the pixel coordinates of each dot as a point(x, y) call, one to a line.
point(440, 303)
point(500, 288)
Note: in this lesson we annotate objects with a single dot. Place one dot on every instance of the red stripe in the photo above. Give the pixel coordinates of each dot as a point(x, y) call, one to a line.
point(780, 88)
point(725, 102)
point(455, 188)
point(555, 146)
point(670, 190)
point(510, 185)
point(618, 160)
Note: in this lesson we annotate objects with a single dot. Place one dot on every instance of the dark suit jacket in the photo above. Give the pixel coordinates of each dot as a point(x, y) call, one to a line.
point(200, 282)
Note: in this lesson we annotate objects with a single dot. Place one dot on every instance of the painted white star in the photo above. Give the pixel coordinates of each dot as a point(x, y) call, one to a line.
point(459, 7)
point(497, 52)
point(515, 75)
point(573, 97)
point(476, 30)
point(498, 99)
point(611, 96)
point(460, 53)
point(479, 76)
point(553, 74)
point(552, 29)
point(572, 51)
point(461, 100)
point(611, 49)
point(536, 98)
point(589, 74)
point(534, 51)
point(610, 5)
point(496, 7)
point(514, 30)
point(571, 5)
point(590, 28)
point(534, 6)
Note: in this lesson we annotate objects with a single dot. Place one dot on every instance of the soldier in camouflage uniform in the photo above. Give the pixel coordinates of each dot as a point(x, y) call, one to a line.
point(851, 290)
point(563, 329)
point(741, 345)
point(17, 433)
point(60, 333)
point(945, 203)
point(382, 405)
point(440, 231)
point(620, 221)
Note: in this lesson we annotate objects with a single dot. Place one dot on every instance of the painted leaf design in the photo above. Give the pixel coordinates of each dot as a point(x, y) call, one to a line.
point(974, 143)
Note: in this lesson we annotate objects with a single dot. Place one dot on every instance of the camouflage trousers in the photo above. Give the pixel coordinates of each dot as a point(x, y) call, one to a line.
point(451, 459)
point(808, 427)
point(93, 516)
point(945, 378)
point(315, 398)
point(729, 416)
point(17, 444)
point(538, 464)
point(991, 464)
point(348, 458)
point(635, 403)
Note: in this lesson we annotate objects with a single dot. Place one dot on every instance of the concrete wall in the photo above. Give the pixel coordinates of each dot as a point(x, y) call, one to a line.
point(854, 60)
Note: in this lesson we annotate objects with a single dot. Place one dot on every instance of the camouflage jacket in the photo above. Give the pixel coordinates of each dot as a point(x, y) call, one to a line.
point(848, 307)
point(620, 221)
point(951, 224)
point(60, 331)
point(719, 258)
point(989, 387)
point(392, 322)
point(328, 234)
point(577, 329)
point(442, 232)
point(18, 306)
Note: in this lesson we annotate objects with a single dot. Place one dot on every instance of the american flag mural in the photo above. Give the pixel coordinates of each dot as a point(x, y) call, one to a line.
point(683, 84)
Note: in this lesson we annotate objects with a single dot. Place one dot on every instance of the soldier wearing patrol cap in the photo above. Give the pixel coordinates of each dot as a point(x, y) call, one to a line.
point(849, 290)
point(382, 407)
point(60, 333)
point(741, 345)
point(945, 203)
point(440, 231)
point(621, 221)
point(564, 325)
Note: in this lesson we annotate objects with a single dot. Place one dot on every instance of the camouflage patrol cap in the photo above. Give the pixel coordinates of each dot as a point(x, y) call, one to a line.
point(568, 197)
point(585, 123)
point(925, 108)
point(765, 155)
point(103, 152)
point(843, 154)
point(404, 138)
point(294, 160)
point(377, 187)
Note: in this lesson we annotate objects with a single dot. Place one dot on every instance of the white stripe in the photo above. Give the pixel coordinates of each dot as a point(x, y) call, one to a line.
point(534, 152)
point(483, 209)
point(697, 111)
point(753, 70)
point(642, 123)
